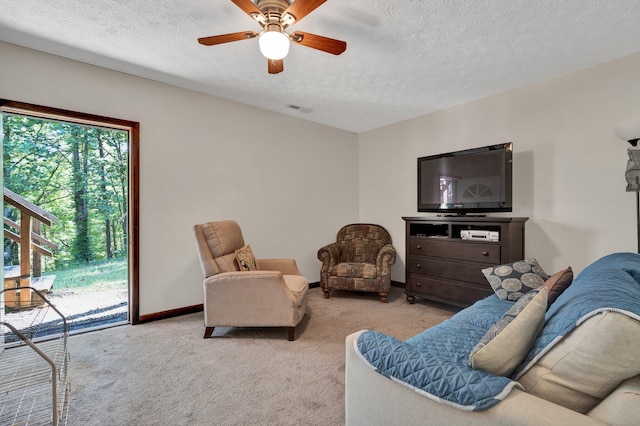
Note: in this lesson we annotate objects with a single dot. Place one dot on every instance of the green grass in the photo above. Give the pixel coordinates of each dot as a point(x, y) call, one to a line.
point(105, 274)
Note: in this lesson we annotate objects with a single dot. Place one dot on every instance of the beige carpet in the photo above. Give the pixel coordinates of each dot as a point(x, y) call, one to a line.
point(165, 373)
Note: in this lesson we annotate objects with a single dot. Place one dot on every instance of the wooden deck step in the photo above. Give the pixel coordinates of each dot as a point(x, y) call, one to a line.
point(12, 298)
point(43, 284)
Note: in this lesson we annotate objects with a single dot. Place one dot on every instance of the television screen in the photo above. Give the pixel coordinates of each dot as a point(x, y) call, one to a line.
point(471, 181)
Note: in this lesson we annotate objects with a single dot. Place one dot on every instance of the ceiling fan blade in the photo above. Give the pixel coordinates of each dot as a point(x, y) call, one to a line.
point(275, 65)
point(226, 38)
point(248, 7)
point(326, 44)
point(301, 8)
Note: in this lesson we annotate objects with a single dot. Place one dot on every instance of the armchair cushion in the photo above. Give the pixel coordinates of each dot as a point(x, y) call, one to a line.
point(351, 269)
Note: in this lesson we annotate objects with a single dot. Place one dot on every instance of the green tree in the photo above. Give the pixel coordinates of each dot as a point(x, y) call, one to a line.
point(76, 171)
point(80, 153)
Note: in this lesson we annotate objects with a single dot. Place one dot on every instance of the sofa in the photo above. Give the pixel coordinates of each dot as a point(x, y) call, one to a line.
point(579, 366)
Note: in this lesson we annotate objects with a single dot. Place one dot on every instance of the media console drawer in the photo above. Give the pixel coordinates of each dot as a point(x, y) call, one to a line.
point(463, 249)
point(455, 293)
point(445, 268)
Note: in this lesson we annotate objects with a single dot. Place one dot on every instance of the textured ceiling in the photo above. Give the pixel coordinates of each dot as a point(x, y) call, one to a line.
point(404, 58)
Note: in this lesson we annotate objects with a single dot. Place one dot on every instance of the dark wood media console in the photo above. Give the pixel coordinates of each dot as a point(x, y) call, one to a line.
point(443, 267)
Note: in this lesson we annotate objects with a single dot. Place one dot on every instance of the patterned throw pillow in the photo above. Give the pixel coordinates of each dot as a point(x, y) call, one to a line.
point(246, 259)
point(508, 341)
point(514, 280)
point(558, 283)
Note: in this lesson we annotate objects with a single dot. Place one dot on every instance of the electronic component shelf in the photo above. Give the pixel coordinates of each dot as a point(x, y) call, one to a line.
point(34, 385)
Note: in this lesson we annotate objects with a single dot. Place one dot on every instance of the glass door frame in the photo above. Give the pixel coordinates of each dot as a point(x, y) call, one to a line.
point(133, 128)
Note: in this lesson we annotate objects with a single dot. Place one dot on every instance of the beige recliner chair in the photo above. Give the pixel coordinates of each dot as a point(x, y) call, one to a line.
point(274, 295)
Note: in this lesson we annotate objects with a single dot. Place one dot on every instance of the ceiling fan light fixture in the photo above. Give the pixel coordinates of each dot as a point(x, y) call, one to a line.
point(274, 44)
point(275, 16)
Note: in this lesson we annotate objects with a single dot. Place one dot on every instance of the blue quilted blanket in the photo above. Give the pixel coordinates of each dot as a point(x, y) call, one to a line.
point(434, 362)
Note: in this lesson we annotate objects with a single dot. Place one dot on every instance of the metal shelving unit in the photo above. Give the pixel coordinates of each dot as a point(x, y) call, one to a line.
point(34, 385)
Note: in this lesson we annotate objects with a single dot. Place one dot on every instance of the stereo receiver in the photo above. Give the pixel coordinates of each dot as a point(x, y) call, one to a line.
point(476, 234)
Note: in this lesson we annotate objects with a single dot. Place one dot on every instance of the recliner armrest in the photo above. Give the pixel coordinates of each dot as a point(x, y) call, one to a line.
point(284, 265)
point(229, 288)
point(249, 276)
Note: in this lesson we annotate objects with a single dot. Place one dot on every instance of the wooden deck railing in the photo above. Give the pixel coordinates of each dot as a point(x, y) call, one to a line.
point(31, 242)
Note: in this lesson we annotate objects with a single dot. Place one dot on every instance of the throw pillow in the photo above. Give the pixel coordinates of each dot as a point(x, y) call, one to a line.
point(246, 259)
point(558, 283)
point(508, 341)
point(513, 280)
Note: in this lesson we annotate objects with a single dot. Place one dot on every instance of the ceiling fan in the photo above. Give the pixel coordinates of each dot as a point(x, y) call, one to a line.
point(274, 16)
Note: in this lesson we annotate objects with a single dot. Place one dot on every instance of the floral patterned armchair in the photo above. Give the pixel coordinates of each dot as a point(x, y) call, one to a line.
point(359, 260)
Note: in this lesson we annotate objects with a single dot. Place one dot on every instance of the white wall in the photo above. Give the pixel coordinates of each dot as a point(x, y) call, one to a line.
point(203, 158)
point(568, 165)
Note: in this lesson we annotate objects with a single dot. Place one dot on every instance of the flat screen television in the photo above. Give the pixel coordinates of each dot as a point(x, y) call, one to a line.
point(471, 181)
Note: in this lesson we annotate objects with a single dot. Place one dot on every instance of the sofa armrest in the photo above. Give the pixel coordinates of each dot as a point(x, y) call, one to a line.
point(386, 258)
point(285, 266)
point(329, 255)
point(372, 399)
